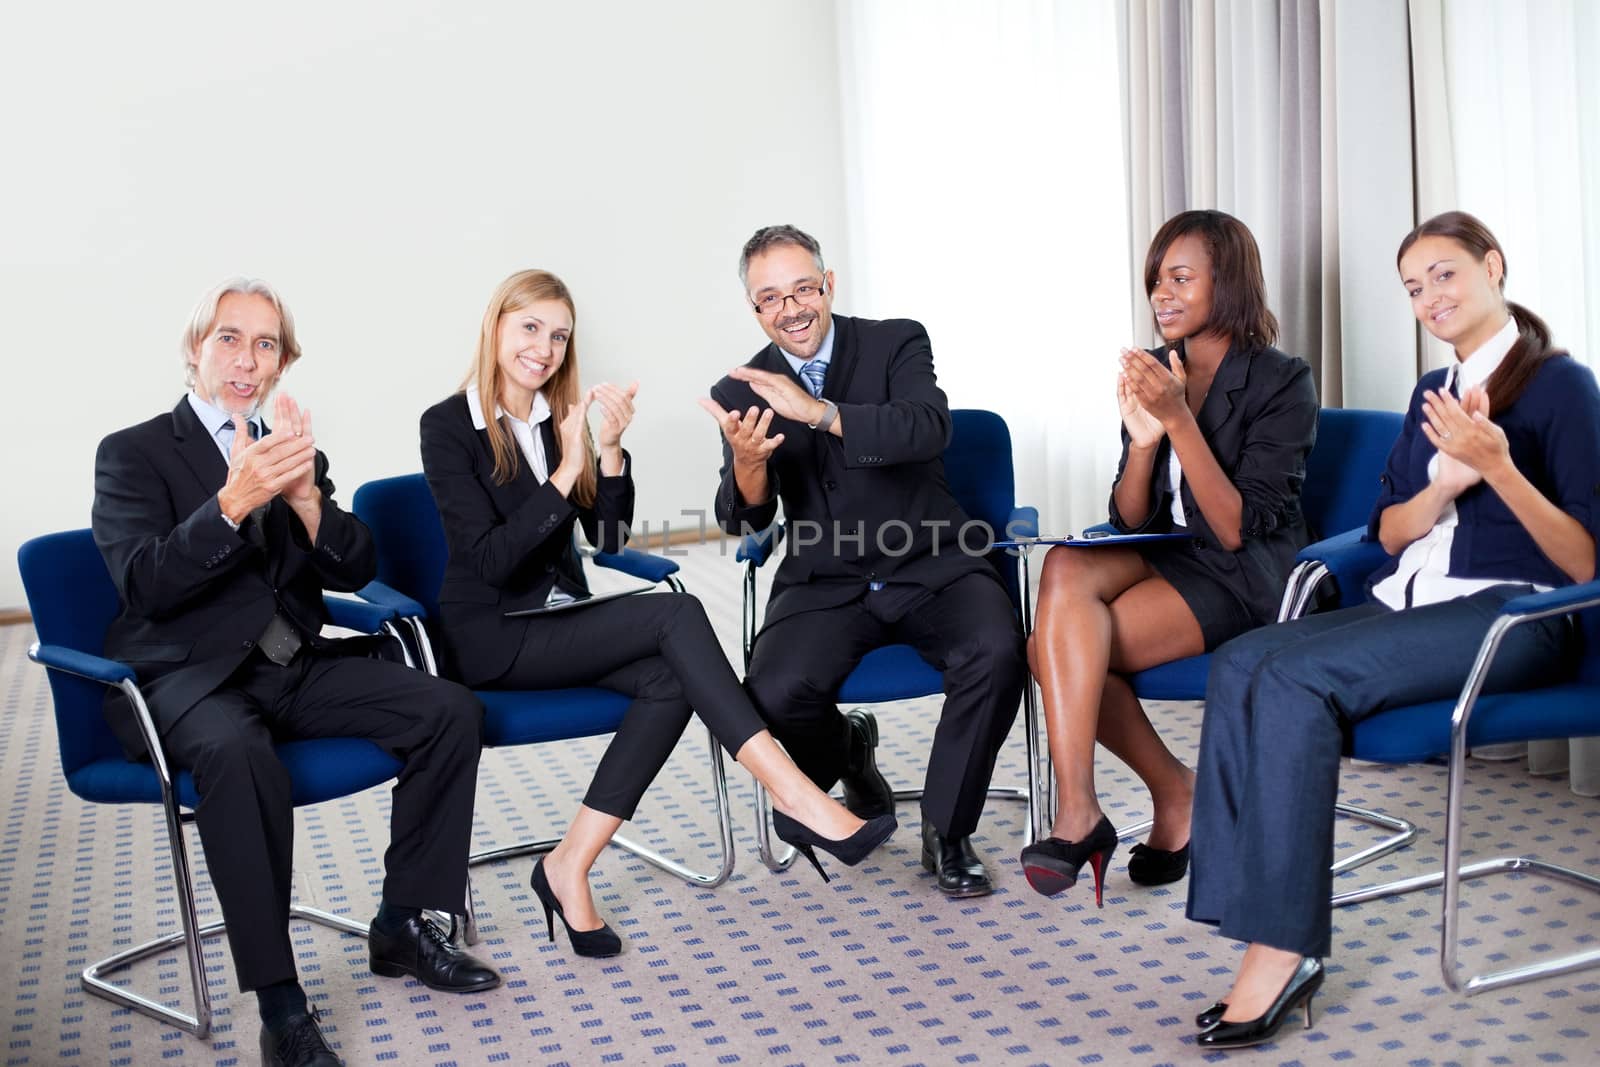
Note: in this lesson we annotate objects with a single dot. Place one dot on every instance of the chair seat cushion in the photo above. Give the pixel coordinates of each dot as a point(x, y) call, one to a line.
point(319, 770)
point(1422, 731)
point(1182, 679)
point(894, 672)
point(525, 717)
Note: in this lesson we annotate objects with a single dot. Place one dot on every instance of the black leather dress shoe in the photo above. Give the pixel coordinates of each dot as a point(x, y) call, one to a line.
point(959, 870)
point(417, 948)
point(866, 791)
point(297, 1043)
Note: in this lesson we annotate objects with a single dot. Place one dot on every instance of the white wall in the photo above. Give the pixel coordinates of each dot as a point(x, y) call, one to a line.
point(385, 168)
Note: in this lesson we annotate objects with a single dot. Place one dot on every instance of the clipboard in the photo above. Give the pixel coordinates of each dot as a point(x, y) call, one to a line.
point(1093, 540)
point(572, 605)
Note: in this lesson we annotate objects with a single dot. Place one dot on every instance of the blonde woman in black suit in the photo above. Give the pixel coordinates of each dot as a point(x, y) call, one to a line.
point(513, 467)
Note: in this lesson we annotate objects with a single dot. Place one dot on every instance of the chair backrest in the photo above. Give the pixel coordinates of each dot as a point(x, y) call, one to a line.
point(73, 603)
point(409, 536)
point(977, 466)
point(1343, 469)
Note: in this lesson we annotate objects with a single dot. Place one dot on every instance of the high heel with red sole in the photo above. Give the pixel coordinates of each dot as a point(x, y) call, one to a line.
point(1052, 865)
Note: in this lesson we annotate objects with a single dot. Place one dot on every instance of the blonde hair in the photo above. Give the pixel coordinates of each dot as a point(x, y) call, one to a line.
point(204, 316)
point(561, 391)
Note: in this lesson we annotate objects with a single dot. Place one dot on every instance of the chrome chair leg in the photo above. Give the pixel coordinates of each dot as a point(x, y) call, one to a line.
point(1454, 874)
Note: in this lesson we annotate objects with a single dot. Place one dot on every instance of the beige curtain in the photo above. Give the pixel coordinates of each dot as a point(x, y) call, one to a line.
point(1224, 103)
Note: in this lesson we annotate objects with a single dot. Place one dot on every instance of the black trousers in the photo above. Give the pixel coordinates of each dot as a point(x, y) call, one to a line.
point(245, 817)
point(1276, 704)
point(658, 648)
point(968, 630)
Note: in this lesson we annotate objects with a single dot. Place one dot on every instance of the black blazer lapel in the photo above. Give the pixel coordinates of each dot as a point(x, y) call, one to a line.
point(198, 449)
point(842, 365)
point(1233, 376)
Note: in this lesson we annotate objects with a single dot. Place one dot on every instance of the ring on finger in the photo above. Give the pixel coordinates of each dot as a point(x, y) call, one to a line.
point(1444, 435)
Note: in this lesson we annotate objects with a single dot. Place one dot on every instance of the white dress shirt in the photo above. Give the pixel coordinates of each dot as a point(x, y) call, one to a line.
point(1425, 564)
point(529, 441)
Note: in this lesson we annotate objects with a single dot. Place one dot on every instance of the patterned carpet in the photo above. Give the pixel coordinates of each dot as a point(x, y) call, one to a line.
point(875, 967)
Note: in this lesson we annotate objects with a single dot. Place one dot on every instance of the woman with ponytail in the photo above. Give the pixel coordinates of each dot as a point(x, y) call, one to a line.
point(1490, 493)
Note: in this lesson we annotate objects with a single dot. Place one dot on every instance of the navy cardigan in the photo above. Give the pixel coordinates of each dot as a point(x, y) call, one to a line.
point(1554, 432)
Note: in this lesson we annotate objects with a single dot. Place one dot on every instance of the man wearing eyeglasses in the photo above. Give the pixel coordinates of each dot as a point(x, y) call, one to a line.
point(843, 420)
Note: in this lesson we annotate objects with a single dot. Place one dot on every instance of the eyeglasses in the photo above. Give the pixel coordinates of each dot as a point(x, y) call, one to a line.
point(805, 295)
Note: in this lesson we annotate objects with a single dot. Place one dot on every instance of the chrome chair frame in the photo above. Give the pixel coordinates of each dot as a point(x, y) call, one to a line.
point(95, 978)
point(1454, 874)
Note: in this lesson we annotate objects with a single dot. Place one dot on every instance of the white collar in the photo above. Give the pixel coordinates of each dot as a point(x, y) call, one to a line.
point(540, 412)
point(1476, 368)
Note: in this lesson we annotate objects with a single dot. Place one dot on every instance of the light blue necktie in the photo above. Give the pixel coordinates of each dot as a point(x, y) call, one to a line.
point(813, 373)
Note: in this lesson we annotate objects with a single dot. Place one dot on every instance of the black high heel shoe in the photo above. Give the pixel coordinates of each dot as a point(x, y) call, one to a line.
point(1301, 987)
point(1157, 866)
point(1052, 865)
point(597, 944)
point(1211, 1016)
point(850, 851)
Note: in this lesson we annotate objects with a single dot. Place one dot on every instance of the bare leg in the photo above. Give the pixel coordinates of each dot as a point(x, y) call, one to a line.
point(1126, 732)
point(794, 794)
point(1099, 610)
point(1070, 652)
point(1151, 624)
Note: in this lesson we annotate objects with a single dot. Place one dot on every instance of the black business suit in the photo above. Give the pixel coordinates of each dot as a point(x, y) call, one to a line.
point(822, 617)
point(1260, 419)
point(195, 596)
point(510, 545)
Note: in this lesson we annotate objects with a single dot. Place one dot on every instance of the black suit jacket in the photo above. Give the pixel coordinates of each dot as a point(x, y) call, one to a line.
point(1260, 419)
point(509, 544)
point(839, 493)
point(195, 594)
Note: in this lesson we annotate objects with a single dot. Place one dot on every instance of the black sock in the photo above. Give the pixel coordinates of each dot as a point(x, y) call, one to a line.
point(391, 917)
point(279, 1001)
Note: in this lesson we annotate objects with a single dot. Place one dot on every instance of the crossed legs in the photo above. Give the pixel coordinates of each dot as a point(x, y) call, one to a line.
point(1105, 613)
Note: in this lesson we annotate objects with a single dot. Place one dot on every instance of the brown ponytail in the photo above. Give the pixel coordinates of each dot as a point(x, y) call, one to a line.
point(1533, 345)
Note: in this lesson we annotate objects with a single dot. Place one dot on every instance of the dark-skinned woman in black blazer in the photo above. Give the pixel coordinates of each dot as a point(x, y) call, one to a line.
point(513, 467)
point(1216, 427)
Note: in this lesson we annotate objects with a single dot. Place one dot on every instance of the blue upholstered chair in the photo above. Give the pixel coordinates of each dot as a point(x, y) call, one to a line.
point(412, 553)
point(1341, 485)
point(73, 602)
point(977, 466)
point(1445, 727)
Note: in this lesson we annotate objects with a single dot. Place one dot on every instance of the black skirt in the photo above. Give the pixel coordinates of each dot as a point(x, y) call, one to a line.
point(1222, 613)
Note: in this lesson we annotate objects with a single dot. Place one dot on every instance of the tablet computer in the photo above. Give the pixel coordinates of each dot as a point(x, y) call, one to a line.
point(581, 602)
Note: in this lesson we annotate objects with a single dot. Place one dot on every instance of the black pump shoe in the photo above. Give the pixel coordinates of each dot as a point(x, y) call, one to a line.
point(1211, 1016)
point(596, 944)
point(1157, 866)
point(850, 851)
point(1052, 865)
point(1301, 987)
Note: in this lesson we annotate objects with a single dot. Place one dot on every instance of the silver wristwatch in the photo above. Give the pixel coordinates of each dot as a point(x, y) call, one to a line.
point(829, 413)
